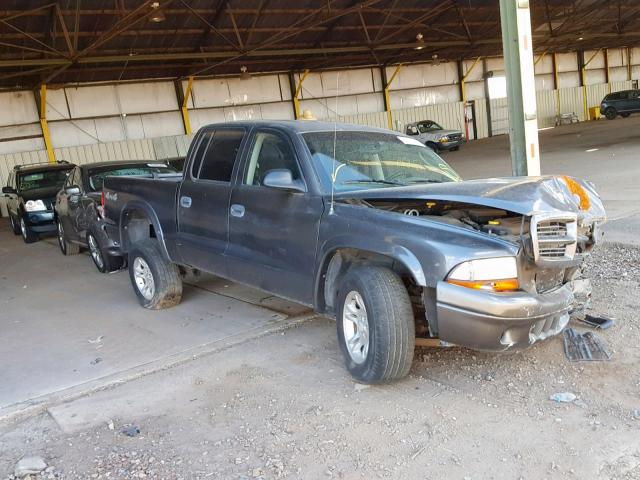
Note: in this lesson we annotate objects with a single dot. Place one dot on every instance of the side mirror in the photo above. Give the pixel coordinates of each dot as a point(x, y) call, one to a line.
point(282, 179)
point(8, 190)
point(73, 190)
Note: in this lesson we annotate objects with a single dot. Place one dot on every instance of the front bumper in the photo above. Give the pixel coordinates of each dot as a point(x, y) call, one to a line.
point(450, 145)
point(500, 321)
point(40, 222)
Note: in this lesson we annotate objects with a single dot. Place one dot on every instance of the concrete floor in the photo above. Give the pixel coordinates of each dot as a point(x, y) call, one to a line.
point(69, 325)
point(65, 325)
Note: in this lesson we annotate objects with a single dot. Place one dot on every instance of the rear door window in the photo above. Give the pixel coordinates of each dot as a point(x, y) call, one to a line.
point(220, 155)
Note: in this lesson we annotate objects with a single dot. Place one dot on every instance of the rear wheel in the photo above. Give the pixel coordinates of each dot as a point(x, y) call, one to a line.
point(155, 279)
point(28, 235)
point(376, 328)
point(610, 113)
point(67, 248)
point(104, 262)
point(14, 226)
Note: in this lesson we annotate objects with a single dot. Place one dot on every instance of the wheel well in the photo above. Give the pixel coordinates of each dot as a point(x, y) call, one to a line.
point(136, 227)
point(338, 264)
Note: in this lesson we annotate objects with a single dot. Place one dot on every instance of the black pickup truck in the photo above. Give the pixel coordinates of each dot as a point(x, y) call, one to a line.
point(366, 225)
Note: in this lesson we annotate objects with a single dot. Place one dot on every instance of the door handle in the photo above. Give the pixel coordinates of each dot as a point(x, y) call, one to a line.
point(237, 210)
point(185, 202)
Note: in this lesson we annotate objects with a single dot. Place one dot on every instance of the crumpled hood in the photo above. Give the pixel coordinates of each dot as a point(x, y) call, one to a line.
point(447, 132)
point(523, 195)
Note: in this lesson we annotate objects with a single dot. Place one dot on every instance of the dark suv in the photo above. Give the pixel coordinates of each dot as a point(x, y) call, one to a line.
point(620, 103)
point(30, 194)
point(78, 208)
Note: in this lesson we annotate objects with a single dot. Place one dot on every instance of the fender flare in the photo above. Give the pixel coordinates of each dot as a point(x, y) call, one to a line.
point(398, 253)
point(148, 211)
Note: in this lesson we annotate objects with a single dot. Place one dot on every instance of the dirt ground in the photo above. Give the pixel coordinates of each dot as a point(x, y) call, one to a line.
point(283, 406)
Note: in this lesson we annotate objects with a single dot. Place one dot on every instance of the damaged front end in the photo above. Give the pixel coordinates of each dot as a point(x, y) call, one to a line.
point(555, 221)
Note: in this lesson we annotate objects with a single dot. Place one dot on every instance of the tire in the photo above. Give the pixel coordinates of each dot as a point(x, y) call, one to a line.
point(148, 265)
point(455, 149)
point(610, 113)
point(66, 247)
point(104, 262)
point(28, 235)
point(387, 351)
point(433, 146)
point(14, 226)
point(624, 115)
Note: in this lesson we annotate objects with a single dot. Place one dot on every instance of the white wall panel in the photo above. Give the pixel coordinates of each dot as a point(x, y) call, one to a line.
point(133, 127)
point(285, 88)
point(257, 89)
point(370, 102)
point(348, 82)
point(544, 82)
point(249, 112)
point(92, 101)
point(621, 85)
point(162, 124)
point(210, 93)
point(475, 90)
point(571, 101)
point(311, 87)
point(482, 119)
point(476, 74)
point(544, 65)
point(568, 79)
point(147, 97)
point(495, 63)
point(597, 59)
point(546, 108)
point(57, 105)
point(595, 94)
point(567, 62)
point(200, 118)
point(617, 74)
point(21, 146)
point(72, 133)
point(110, 129)
point(276, 111)
point(595, 76)
point(18, 107)
point(418, 97)
point(617, 57)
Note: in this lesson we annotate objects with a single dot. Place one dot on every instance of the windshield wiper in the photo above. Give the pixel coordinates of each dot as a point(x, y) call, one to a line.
point(424, 180)
point(373, 180)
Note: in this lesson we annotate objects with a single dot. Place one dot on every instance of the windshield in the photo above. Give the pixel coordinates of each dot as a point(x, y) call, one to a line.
point(96, 177)
point(375, 159)
point(43, 179)
point(425, 127)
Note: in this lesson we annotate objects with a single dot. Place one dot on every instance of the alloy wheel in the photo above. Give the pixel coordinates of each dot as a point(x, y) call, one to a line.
point(144, 278)
point(355, 325)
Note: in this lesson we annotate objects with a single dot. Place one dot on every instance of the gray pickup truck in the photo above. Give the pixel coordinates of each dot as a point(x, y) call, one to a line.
point(366, 225)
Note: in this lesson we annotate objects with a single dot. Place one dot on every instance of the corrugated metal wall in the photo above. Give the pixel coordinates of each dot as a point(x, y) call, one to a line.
point(546, 108)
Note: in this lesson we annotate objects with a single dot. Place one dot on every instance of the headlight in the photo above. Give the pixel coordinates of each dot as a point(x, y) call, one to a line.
point(492, 274)
point(34, 206)
point(443, 139)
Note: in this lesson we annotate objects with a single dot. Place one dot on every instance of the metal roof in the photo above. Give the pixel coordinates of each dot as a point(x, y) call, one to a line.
point(68, 41)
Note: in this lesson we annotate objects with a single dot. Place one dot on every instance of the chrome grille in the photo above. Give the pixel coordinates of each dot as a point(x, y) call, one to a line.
point(554, 238)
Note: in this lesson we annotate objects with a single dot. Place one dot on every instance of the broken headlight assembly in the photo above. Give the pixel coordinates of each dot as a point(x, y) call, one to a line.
point(34, 206)
point(489, 274)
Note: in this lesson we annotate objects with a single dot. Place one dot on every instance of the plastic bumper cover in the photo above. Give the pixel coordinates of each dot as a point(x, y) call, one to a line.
point(40, 222)
point(500, 321)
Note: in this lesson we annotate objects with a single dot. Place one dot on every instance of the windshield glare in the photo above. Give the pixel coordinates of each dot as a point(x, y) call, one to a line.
point(96, 178)
point(375, 159)
point(428, 127)
point(43, 179)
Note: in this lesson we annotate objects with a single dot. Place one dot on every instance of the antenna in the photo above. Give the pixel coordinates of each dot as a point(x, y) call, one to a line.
point(335, 136)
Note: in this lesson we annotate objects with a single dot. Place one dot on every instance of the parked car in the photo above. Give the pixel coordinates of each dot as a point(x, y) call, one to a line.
point(30, 193)
point(78, 208)
point(366, 225)
point(177, 163)
point(622, 103)
point(434, 136)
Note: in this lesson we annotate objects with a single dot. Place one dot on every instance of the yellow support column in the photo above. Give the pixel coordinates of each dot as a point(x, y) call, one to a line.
point(296, 95)
point(556, 85)
point(44, 125)
point(463, 80)
point(185, 111)
point(387, 99)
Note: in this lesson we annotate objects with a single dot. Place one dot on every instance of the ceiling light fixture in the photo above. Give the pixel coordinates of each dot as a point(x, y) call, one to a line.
point(419, 41)
point(244, 74)
point(157, 16)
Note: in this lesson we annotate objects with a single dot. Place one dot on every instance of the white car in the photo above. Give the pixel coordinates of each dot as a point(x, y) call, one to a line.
point(434, 136)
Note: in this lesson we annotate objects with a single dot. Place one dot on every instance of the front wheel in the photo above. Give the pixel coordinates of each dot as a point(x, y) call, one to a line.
point(376, 328)
point(433, 146)
point(104, 262)
point(155, 279)
point(610, 113)
point(66, 247)
point(28, 235)
point(14, 226)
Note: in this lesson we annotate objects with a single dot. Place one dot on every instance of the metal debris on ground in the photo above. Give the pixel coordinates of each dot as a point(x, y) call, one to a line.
point(29, 466)
point(598, 321)
point(95, 361)
point(131, 430)
point(564, 397)
point(584, 347)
